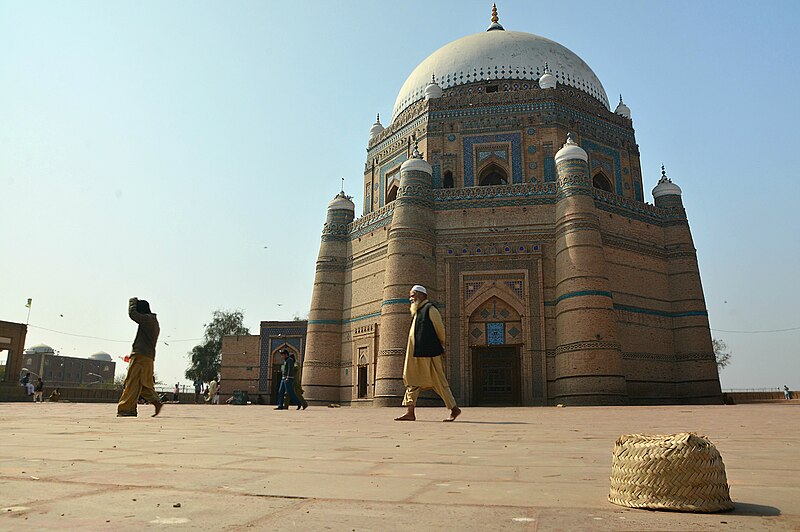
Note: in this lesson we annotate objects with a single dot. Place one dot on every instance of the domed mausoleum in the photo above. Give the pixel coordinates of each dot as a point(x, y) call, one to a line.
point(507, 186)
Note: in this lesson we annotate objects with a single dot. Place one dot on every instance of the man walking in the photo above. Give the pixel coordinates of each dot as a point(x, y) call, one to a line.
point(287, 381)
point(297, 386)
point(198, 387)
point(424, 369)
point(139, 381)
point(212, 390)
point(38, 391)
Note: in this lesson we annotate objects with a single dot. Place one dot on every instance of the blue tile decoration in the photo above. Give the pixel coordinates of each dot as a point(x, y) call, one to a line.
point(531, 149)
point(495, 333)
point(531, 131)
point(591, 146)
point(293, 334)
point(516, 155)
point(386, 168)
point(549, 169)
point(436, 177)
point(451, 138)
point(621, 132)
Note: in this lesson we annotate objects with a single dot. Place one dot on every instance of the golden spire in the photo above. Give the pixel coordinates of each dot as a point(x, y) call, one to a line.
point(495, 25)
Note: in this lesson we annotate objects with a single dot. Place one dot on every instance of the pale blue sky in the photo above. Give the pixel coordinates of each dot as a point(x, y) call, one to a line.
point(154, 149)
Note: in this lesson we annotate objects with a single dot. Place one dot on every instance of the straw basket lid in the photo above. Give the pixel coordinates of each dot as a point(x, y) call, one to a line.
point(682, 472)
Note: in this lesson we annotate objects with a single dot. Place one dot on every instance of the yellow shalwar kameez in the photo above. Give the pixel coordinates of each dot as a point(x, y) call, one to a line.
point(426, 373)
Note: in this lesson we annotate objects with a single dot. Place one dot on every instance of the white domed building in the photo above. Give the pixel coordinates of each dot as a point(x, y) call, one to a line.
point(508, 187)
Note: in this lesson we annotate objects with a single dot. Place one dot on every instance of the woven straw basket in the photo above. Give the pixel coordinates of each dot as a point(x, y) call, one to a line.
point(682, 472)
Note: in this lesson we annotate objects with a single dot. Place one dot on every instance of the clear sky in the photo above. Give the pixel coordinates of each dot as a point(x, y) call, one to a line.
point(184, 152)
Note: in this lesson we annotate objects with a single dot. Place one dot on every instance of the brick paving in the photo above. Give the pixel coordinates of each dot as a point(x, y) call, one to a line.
point(77, 466)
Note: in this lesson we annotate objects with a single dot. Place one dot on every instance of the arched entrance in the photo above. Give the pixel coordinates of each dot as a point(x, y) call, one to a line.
point(495, 333)
point(277, 361)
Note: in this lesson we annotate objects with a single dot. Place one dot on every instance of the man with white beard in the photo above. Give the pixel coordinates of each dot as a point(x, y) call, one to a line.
point(424, 369)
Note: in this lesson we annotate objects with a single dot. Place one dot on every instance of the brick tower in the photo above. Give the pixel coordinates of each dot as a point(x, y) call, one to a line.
point(322, 367)
point(588, 357)
point(410, 260)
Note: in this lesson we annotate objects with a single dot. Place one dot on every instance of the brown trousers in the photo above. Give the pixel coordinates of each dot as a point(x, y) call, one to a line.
point(138, 383)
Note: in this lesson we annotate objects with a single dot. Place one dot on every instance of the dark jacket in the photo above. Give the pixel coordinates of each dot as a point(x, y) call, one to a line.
point(287, 368)
point(147, 335)
point(426, 342)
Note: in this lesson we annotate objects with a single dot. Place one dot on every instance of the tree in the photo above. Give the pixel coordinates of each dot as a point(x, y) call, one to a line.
point(207, 357)
point(721, 353)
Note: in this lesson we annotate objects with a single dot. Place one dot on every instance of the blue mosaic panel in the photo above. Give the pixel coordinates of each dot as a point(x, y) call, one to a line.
point(549, 169)
point(516, 155)
point(272, 337)
point(386, 168)
point(495, 333)
point(436, 178)
point(590, 146)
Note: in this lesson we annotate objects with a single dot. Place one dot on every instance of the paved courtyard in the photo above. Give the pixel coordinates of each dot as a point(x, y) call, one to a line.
point(77, 466)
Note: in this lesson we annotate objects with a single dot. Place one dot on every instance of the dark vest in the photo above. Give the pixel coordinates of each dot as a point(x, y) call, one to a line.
point(426, 343)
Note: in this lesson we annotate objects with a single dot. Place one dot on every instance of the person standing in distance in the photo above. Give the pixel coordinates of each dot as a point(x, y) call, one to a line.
point(139, 381)
point(423, 368)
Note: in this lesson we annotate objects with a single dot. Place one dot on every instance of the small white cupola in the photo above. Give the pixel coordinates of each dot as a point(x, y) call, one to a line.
point(622, 109)
point(376, 128)
point(547, 79)
point(433, 90)
point(571, 150)
point(665, 186)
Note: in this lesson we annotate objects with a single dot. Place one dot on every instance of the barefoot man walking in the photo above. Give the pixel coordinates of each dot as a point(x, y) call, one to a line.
point(424, 369)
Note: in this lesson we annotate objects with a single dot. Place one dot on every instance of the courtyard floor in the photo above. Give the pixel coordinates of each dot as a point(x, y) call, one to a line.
point(77, 466)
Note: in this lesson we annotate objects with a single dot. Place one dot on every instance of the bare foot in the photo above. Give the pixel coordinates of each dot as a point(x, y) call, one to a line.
point(408, 416)
point(158, 406)
point(454, 413)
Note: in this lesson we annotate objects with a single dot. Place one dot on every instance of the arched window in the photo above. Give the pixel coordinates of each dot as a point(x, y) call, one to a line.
point(448, 179)
point(493, 175)
point(391, 194)
point(602, 182)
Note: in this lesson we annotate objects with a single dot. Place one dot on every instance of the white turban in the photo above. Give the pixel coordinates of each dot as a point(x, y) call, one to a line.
point(419, 288)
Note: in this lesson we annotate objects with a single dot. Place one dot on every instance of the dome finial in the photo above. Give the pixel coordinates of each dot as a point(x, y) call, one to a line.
point(378, 118)
point(433, 77)
point(620, 98)
point(495, 25)
point(663, 172)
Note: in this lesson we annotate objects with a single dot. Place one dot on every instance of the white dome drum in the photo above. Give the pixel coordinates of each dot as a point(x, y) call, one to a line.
point(498, 55)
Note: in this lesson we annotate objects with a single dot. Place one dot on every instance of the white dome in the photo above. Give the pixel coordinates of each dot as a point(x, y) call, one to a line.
point(548, 80)
point(622, 109)
point(101, 355)
point(376, 128)
point(498, 54)
point(665, 186)
point(416, 163)
point(342, 201)
point(433, 90)
point(39, 348)
point(570, 150)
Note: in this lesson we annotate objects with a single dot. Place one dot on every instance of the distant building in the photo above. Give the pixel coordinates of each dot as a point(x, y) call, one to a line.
point(57, 370)
point(251, 362)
